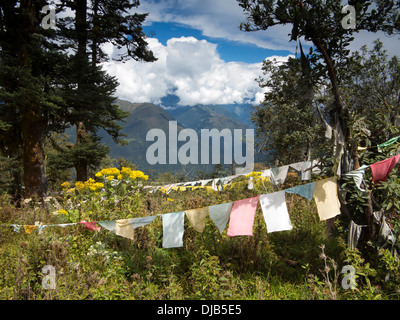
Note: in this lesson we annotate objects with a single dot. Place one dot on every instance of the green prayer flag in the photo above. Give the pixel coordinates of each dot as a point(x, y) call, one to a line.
point(389, 142)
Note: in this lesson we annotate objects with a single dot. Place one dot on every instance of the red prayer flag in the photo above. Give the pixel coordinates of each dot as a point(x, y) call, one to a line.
point(90, 225)
point(242, 217)
point(381, 169)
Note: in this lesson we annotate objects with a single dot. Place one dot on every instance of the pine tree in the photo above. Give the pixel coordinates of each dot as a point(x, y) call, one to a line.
point(30, 100)
point(89, 90)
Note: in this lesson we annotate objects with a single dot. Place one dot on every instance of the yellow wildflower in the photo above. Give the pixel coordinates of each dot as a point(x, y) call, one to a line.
point(138, 174)
point(65, 185)
point(126, 170)
point(169, 199)
point(110, 178)
point(108, 172)
point(254, 174)
point(95, 186)
point(119, 177)
point(63, 211)
point(79, 185)
point(99, 185)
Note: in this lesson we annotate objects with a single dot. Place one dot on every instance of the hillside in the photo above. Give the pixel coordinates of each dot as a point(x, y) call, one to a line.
point(205, 117)
point(143, 117)
point(146, 116)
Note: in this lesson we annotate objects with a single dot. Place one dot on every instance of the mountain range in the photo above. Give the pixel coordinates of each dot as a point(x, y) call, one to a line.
point(146, 116)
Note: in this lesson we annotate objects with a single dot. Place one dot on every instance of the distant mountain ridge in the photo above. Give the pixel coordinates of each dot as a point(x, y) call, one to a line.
point(146, 116)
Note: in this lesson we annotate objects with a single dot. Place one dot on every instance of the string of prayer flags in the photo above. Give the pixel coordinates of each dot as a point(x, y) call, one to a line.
point(220, 214)
point(38, 226)
point(305, 190)
point(197, 218)
point(276, 216)
point(326, 198)
point(380, 170)
point(242, 217)
point(173, 229)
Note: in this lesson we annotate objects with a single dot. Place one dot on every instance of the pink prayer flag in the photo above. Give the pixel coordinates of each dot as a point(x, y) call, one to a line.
point(90, 225)
point(380, 170)
point(242, 217)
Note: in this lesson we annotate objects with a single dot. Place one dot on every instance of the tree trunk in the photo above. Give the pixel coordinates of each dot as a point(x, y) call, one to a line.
point(81, 166)
point(33, 124)
point(33, 157)
point(81, 31)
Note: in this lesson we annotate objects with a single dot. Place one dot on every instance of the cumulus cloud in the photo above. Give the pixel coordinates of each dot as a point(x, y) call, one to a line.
point(189, 68)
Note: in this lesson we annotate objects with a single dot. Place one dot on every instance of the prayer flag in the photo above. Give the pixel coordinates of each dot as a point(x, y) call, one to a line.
point(197, 218)
point(220, 214)
point(126, 227)
point(173, 229)
point(90, 225)
point(326, 198)
point(381, 169)
point(305, 190)
point(275, 212)
point(242, 217)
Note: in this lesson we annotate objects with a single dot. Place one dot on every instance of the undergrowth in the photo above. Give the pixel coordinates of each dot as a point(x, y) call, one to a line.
point(297, 264)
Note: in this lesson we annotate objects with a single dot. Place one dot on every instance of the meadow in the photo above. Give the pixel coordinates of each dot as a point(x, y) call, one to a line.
point(302, 263)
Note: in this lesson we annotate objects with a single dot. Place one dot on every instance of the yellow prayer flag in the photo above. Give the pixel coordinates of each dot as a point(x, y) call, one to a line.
point(326, 198)
point(197, 218)
point(125, 229)
point(29, 229)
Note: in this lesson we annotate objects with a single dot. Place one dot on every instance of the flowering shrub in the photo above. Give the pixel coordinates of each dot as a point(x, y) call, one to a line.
point(113, 194)
point(124, 173)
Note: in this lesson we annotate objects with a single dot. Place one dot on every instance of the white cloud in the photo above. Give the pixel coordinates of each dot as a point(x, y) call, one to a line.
point(221, 19)
point(218, 19)
point(189, 68)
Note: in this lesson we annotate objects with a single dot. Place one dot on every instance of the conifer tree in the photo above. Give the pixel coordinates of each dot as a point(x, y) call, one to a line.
point(30, 100)
point(44, 88)
point(89, 90)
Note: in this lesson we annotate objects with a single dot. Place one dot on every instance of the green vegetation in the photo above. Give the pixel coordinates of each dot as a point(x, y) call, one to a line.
point(296, 264)
point(50, 81)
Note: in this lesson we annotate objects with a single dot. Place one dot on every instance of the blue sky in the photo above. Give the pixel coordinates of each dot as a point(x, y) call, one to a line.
point(203, 57)
point(229, 50)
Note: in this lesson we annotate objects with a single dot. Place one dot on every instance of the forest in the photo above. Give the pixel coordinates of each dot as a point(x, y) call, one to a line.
point(320, 222)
